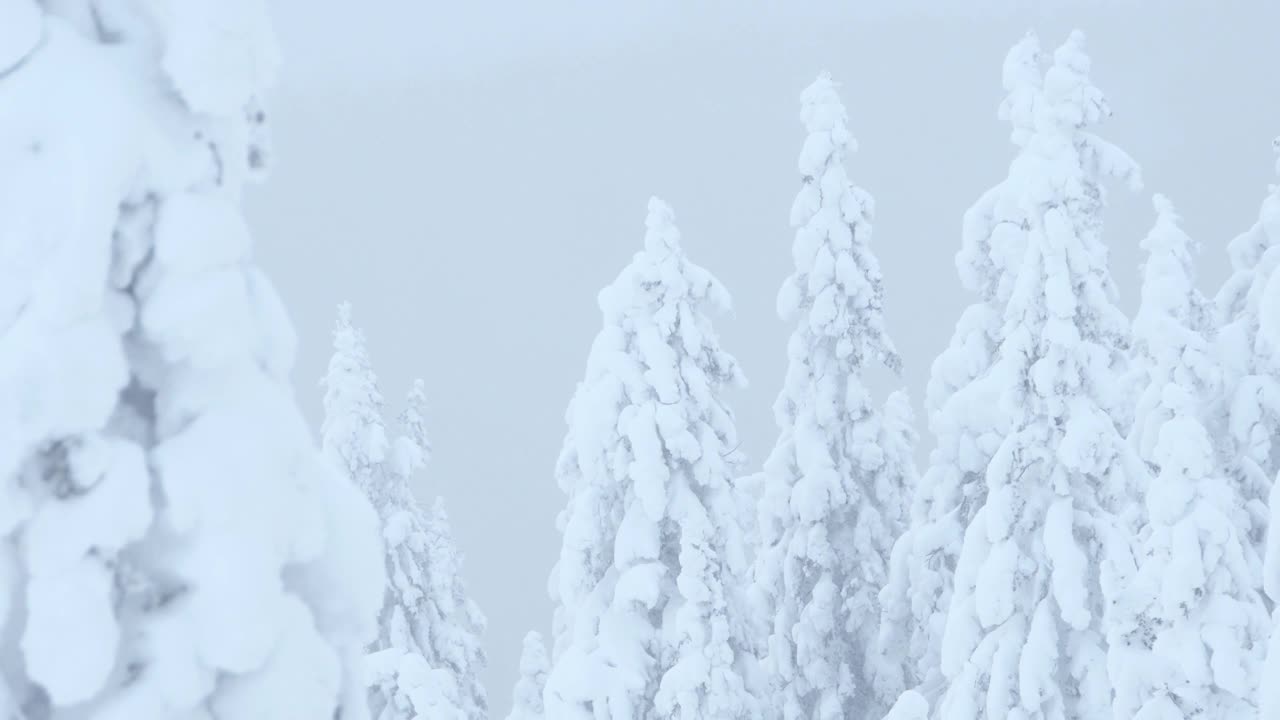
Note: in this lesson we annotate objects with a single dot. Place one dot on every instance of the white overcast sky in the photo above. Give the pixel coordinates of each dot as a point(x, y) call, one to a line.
point(470, 174)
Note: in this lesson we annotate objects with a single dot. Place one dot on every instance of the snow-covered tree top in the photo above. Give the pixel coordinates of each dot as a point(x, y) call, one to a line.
point(352, 433)
point(836, 286)
point(827, 123)
point(526, 701)
point(1247, 249)
point(413, 448)
point(1072, 104)
point(641, 626)
point(1171, 305)
point(1023, 77)
point(658, 290)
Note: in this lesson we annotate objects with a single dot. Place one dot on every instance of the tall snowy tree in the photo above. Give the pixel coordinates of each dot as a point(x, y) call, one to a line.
point(1047, 550)
point(171, 542)
point(963, 413)
point(644, 627)
point(833, 491)
point(1265, 234)
point(1251, 359)
point(427, 659)
point(1191, 626)
point(526, 700)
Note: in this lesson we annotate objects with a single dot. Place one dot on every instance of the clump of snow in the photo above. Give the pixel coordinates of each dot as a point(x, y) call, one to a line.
point(526, 701)
point(165, 512)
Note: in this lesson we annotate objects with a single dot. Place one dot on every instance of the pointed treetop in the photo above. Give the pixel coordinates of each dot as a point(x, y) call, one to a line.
point(1173, 317)
point(345, 336)
point(526, 701)
point(352, 428)
point(1071, 103)
point(1071, 53)
point(661, 236)
point(827, 123)
point(1167, 235)
point(413, 448)
point(533, 657)
point(1023, 75)
point(1275, 145)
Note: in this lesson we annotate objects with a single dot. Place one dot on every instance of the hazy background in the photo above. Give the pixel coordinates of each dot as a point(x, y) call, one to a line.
point(470, 174)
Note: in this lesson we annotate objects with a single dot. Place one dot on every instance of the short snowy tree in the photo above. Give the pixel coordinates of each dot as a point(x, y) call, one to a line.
point(526, 700)
point(963, 413)
point(1190, 630)
point(1251, 359)
point(1048, 549)
point(427, 658)
point(352, 434)
point(644, 626)
point(832, 500)
point(172, 545)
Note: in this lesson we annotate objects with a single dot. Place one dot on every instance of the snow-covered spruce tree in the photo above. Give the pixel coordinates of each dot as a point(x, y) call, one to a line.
point(963, 413)
point(1048, 549)
point(526, 700)
point(172, 544)
point(833, 497)
point(1188, 640)
point(427, 658)
point(1251, 360)
point(1266, 233)
point(644, 626)
point(353, 435)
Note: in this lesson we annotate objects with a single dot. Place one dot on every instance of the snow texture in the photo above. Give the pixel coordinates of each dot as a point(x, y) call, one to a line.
point(428, 659)
point(1255, 408)
point(645, 626)
point(171, 542)
point(1249, 348)
point(1047, 550)
point(526, 699)
point(963, 412)
point(834, 485)
point(1190, 628)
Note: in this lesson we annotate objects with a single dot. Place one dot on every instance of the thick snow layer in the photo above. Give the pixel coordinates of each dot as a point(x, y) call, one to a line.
point(1247, 348)
point(526, 700)
point(647, 620)
point(138, 344)
point(1055, 483)
point(834, 487)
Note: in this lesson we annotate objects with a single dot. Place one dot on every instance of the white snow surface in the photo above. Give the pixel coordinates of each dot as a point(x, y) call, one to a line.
point(1189, 632)
point(1248, 346)
point(964, 414)
point(835, 484)
point(428, 656)
point(1047, 548)
point(165, 512)
point(526, 699)
point(646, 624)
